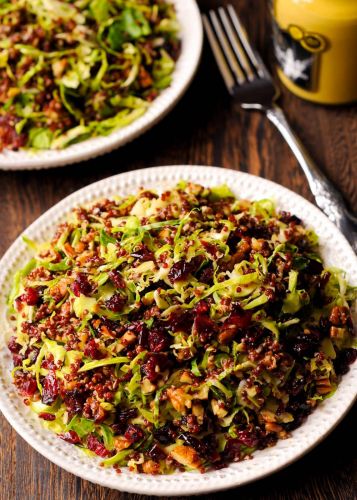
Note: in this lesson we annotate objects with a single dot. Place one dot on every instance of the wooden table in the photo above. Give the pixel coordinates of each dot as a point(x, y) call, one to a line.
point(205, 128)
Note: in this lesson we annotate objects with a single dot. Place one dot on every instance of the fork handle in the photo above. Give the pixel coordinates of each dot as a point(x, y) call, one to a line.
point(326, 196)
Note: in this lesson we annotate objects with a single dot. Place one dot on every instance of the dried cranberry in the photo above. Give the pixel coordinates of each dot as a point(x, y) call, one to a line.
point(32, 353)
point(253, 336)
point(17, 359)
point(156, 453)
point(116, 279)
point(81, 285)
point(209, 447)
point(165, 434)
point(47, 416)
point(205, 448)
point(49, 363)
point(158, 340)
point(206, 276)
point(28, 387)
point(314, 267)
point(180, 270)
point(133, 433)
point(181, 320)
point(232, 450)
point(118, 429)
point(115, 303)
point(121, 419)
point(343, 359)
point(288, 218)
point(74, 401)
point(260, 231)
point(210, 248)
point(140, 329)
point(13, 346)
point(304, 345)
point(31, 296)
point(154, 364)
point(71, 437)
point(240, 318)
point(296, 385)
point(143, 254)
point(248, 438)
point(125, 414)
point(50, 389)
point(97, 447)
point(202, 307)
point(204, 327)
point(299, 410)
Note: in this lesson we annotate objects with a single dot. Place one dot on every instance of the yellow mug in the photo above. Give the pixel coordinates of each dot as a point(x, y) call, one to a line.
point(315, 45)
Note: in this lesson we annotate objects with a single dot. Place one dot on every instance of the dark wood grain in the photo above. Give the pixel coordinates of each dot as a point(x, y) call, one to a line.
point(205, 128)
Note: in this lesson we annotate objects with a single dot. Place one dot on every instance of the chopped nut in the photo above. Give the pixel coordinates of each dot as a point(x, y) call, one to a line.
point(272, 427)
point(339, 316)
point(179, 399)
point(218, 408)
point(337, 333)
point(128, 338)
point(151, 467)
point(186, 378)
point(69, 249)
point(147, 386)
point(79, 248)
point(202, 393)
point(323, 386)
point(59, 291)
point(186, 455)
point(58, 67)
point(198, 412)
point(121, 443)
point(228, 334)
point(268, 416)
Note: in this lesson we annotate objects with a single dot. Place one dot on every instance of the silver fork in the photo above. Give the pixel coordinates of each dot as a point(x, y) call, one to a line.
point(249, 82)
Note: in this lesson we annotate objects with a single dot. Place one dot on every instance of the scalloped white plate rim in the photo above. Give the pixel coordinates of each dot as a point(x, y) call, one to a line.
point(191, 34)
point(318, 425)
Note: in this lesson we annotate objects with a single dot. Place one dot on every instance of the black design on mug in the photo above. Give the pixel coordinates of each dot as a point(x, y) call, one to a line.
point(297, 54)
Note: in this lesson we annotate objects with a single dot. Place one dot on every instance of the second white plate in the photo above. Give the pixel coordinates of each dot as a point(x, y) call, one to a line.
point(191, 35)
point(336, 252)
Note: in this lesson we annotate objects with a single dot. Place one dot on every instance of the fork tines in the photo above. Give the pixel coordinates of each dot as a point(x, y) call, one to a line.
point(235, 57)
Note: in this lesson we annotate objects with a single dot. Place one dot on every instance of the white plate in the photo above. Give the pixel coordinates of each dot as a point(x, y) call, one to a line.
point(191, 35)
point(336, 251)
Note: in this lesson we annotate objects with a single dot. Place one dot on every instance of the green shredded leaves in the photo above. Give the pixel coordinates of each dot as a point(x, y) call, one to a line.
point(82, 426)
point(219, 192)
point(100, 10)
point(130, 25)
point(105, 238)
point(91, 365)
point(116, 459)
point(40, 138)
point(106, 64)
point(155, 323)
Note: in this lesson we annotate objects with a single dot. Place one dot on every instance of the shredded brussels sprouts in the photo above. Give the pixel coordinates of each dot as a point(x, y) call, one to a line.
point(181, 330)
point(71, 70)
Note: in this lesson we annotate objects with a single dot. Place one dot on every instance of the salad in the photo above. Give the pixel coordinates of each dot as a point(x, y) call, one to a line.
point(71, 70)
point(178, 331)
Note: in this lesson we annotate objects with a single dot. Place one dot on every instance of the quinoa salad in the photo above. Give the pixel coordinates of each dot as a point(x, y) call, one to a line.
point(71, 70)
point(181, 330)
